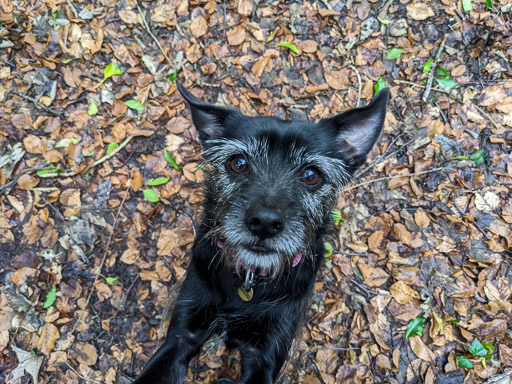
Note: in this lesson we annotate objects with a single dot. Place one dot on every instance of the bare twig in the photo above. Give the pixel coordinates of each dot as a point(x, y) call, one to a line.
point(82, 376)
point(434, 65)
point(502, 376)
point(146, 26)
point(360, 85)
point(391, 177)
point(96, 163)
point(486, 115)
point(98, 271)
point(42, 106)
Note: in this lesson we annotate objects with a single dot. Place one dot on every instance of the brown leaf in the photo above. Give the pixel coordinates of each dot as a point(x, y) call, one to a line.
point(86, 354)
point(338, 80)
point(32, 231)
point(33, 144)
point(198, 27)
point(22, 275)
point(375, 241)
point(421, 219)
point(401, 233)
point(49, 335)
point(261, 65)
point(27, 181)
point(373, 277)
point(327, 360)
point(236, 36)
point(492, 95)
point(70, 198)
point(419, 11)
point(167, 241)
point(421, 350)
point(128, 16)
point(6, 236)
point(130, 256)
point(402, 293)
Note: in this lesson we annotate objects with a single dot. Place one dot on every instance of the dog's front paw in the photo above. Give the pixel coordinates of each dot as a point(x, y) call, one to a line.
point(224, 381)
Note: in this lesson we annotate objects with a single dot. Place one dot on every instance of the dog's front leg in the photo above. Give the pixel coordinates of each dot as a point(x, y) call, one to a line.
point(184, 339)
point(262, 361)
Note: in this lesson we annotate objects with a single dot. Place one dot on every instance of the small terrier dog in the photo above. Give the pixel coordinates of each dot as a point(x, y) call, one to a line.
point(271, 188)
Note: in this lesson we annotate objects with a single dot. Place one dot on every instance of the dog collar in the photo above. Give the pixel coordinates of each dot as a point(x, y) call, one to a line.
point(245, 291)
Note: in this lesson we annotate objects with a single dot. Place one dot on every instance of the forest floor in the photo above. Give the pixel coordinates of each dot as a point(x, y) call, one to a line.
point(90, 117)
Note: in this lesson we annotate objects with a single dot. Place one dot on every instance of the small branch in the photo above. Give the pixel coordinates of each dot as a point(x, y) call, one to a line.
point(42, 106)
point(360, 85)
point(98, 271)
point(486, 115)
point(96, 163)
point(434, 65)
point(392, 177)
point(146, 26)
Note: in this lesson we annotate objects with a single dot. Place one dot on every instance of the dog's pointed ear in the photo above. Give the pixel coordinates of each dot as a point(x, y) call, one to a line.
point(208, 119)
point(358, 129)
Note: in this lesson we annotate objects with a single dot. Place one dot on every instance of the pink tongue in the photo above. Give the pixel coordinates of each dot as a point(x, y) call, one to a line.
point(220, 244)
point(297, 260)
point(264, 272)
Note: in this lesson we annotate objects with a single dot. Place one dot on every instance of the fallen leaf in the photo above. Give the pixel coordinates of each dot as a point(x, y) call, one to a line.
point(419, 11)
point(198, 27)
point(49, 335)
point(27, 362)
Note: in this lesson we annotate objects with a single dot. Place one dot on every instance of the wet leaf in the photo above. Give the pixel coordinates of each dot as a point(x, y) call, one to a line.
point(93, 109)
point(64, 143)
point(290, 46)
point(415, 327)
point(134, 104)
point(111, 147)
point(158, 181)
point(327, 249)
point(111, 70)
point(51, 296)
point(395, 53)
point(467, 5)
point(477, 348)
point(381, 84)
point(27, 363)
point(151, 195)
point(171, 160)
point(464, 362)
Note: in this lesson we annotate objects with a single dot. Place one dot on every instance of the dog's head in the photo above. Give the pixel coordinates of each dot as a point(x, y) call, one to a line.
point(274, 182)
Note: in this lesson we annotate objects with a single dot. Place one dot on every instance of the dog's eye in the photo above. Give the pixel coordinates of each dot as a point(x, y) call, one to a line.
point(238, 164)
point(310, 176)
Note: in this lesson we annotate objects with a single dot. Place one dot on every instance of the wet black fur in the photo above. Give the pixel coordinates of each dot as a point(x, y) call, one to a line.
point(263, 328)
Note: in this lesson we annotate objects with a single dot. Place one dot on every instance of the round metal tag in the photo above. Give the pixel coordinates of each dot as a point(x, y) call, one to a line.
point(244, 295)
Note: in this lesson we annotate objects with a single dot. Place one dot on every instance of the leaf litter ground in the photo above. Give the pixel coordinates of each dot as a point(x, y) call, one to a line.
point(100, 181)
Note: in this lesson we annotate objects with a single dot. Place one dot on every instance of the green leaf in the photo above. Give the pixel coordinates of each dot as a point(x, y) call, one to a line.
point(92, 153)
point(111, 280)
point(427, 67)
point(158, 181)
point(467, 5)
point(111, 147)
point(415, 327)
point(50, 297)
point(477, 348)
point(171, 160)
point(134, 104)
point(483, 363)
point(384, 21)
point(327, 249)
point(447, 82)
point(478, 157)
point(68, 60)
point(381, 83)
point(464, 362)
point(442, 72)
point(93, 109)
point(489, 4)
point(151, 195)
point(490, 349)
point(173, 76)
point(111, 70)
point(456, 321)
point(290, 46)
point(48, 170)
point(395, 53)
point(64, 143)
point(271, 36)
point(336, 216)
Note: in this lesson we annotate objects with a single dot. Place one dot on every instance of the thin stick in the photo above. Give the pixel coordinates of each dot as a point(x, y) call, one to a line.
point(434, 65)
point(392, 177)
point(42, 106)
point(146, 26)
point(98, 272)
point(486, 115)
point(96, 163)
point(360, 85)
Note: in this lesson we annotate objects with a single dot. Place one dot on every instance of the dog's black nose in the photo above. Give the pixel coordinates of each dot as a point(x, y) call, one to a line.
point(264, 222)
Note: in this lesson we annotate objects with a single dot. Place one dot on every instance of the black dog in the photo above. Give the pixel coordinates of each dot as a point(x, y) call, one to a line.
point(272, 185)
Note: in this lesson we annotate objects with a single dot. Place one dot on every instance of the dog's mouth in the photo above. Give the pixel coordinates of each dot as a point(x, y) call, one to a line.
point(260, 248)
